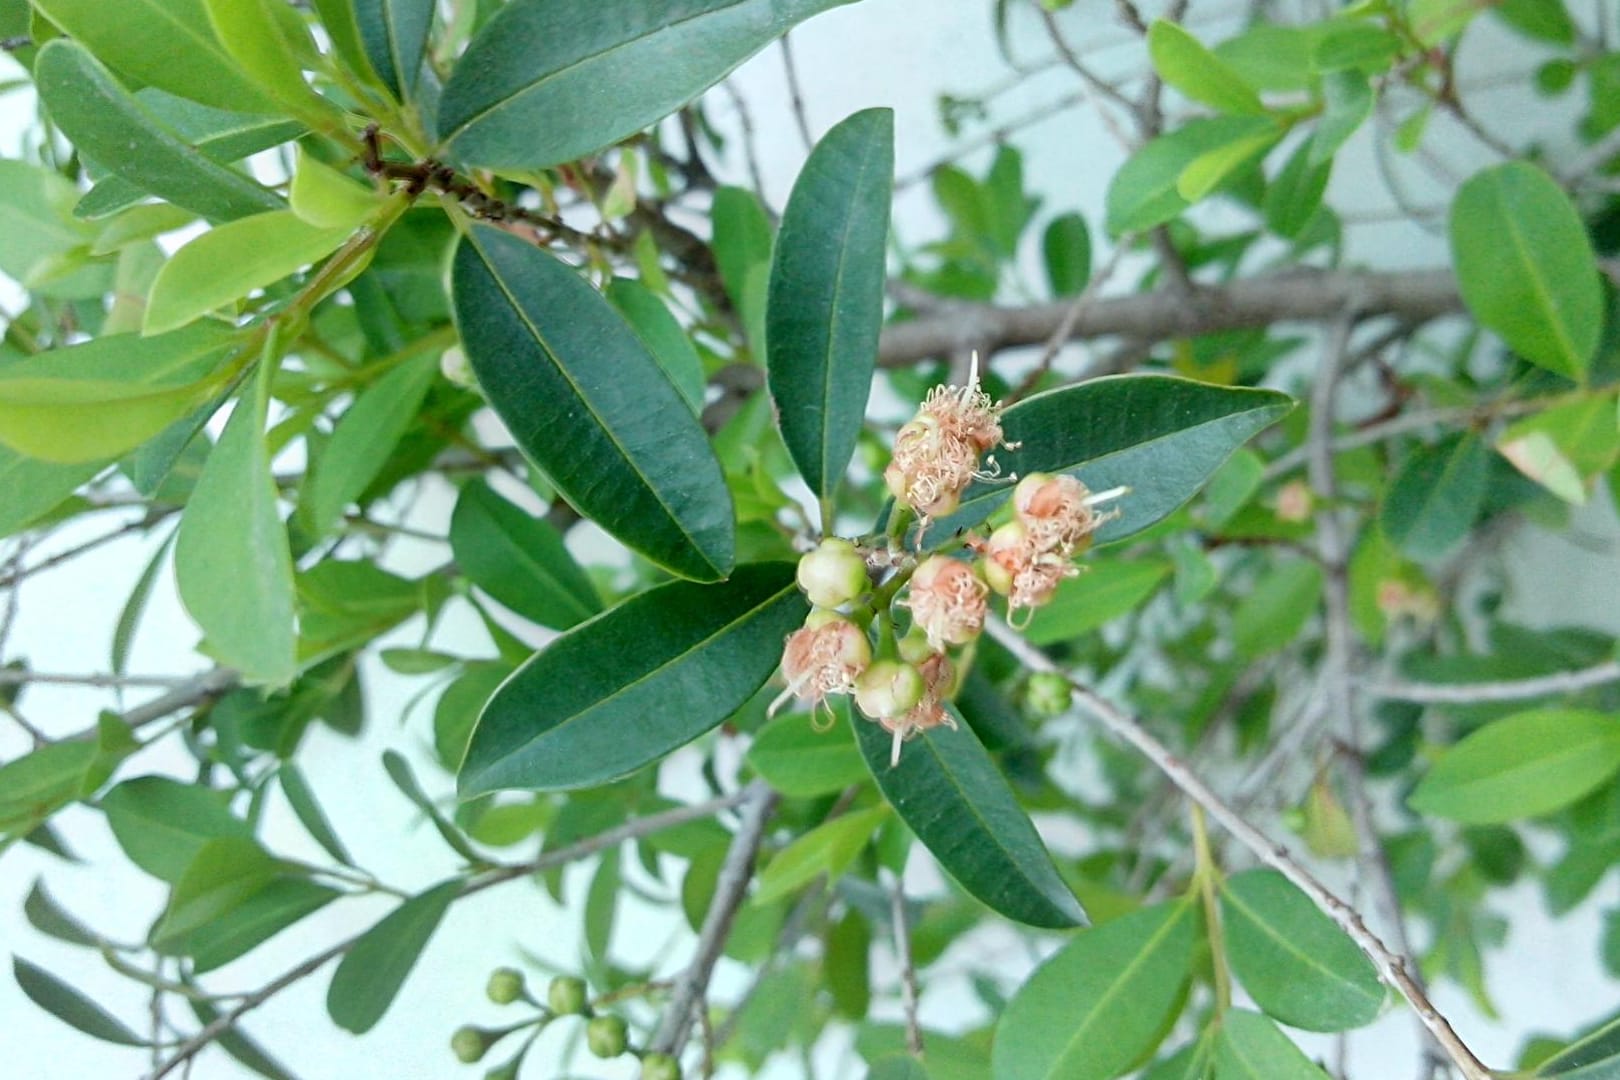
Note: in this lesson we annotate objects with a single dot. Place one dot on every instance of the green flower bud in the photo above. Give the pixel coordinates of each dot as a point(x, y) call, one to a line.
point(888, 688)
point(660, 1067)
point(470, 1044)
point(833, 574)
point(566, 995)
point(605, 1036)
point(505, 985)
point(1047, 694)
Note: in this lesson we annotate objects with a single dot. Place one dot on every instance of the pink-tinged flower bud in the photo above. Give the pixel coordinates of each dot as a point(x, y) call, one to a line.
point(1018, 567)
point(1294, 502)
point(1058, 511)
point(888, 688)
point(948, 601)
point(939, 682)
point(834, 574)
point(822, 658)
point(1003, 553)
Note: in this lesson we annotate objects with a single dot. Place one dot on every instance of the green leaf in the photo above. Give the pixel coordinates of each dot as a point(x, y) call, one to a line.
point(326, 198)
point(602, 905)
point(1211, 170)
point(1250, 1047)
point(1564, 448)
point(801, 761)
point(1145, 191)
point(238, 1045)
point(1523, 766)
point(1294, 962)
point(1354, 45)
point(897, 1067)
point(743, 242)
point(370, 976)
point(1434, 499)
point(1162, 437)
point(1276, 610)
point(1066, 252)
point(1183, 62)
point(1347, 101)
point(301, 797)
point(106, 123)
point(950, 793)
point(399, 771)
point(827, 849)
point(164, 43)
point(37, 784)
point(1105, 590)
point(847, 965)
point(71, 1007)
point(395, 34)
point(343, 27)
point(1102, 1002)
point(48, 917)
point(664, 337)
point(1525, 266)
point(162, 824)
point(1433, 21)
point(1271, 57)
point(1544, 20)
point(519, 560)
point(268, 910)
point(536, 61)
point(588, 403)
point(364, 439)
point(634, 683)
point(1293, 198)
point(267, 46)
point(1595, 1056)
point(826, 295)
point(39, 239)
point(34, 488)
point(129, 617)
point(89, 402)
point(232, 560)
point(229, 261)
point(223, 875)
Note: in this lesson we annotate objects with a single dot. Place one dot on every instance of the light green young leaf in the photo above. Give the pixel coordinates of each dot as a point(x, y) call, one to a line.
point(38, 235)
point(800, 761)
point(1183, 62)
point(370, 976)
point(267, 46)
point(325, 198)
point(1566, 447)
point(1104, 591)
point(1212, 169)
point(1250, 1047)
point(1145, 191)
point(827, 849)
point(162, 823)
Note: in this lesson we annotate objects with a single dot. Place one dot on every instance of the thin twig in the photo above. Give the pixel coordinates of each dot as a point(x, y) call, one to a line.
point(795, 95)
point(1392, 967)
point(908, 970)
point(1064, 330)
point(22, 676)
point(759, 800)
point(140, 524)
point(1563, 682)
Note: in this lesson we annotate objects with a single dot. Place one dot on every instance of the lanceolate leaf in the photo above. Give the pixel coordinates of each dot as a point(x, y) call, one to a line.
point(107, 124)
point(634, 683)
point(954, 798)
point(1525, 266)
point(826, 295)
point(529, 91)
point(70, 1006)
point(1434, 499)
point(1297, 965)
point(162, 823)
point(1144, 191)
point(1186, 64)
point(1162, 437)
point(1595, 1056)
point(1250, 1047)
point(370, 976)
point(798, 760)
point(587, 402)
point(1100, 1003)
point(519, 560)
point(395, 33)
point(270, 909)
point(1528, 764)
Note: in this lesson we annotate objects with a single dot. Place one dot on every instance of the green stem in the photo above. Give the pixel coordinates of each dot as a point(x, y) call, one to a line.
point(1206, 876)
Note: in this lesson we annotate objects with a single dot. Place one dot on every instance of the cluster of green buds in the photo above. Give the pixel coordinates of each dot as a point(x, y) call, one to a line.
point(903, 683)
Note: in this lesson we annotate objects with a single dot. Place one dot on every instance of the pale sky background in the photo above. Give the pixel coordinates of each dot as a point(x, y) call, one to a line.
point(899, 53)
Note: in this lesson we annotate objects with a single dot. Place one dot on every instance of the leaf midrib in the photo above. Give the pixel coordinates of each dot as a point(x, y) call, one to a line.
point(1288, 947)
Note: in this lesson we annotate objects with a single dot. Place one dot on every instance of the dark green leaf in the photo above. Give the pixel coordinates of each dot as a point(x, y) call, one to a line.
point(394, 34)
point(634, 683)
point(536, 61)
point(1595, 1056)
point(69, 1006)
point(1161, 437)
point(48, 917)
point(1523, 766)
point(588, 403)
point(1434, 499)
point(801, 761)
point(1294, 962)
point(826, 295)
point(1100, 1003)
point(664, 336)
point(1066, 251)
point(1525, 266)
point(519, 560)
point(949, 791)
point(162, 824)
point(1250, 1047)
point(370, 976)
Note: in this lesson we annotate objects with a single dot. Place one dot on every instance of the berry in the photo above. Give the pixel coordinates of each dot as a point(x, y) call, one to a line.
point(660, 1067)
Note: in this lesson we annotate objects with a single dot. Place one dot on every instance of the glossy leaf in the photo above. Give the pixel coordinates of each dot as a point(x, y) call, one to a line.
point(800, 761)
point(536, 61)
point(70, 1006)
point(1526, 765)
point(370, 976)
point(627, 687)
point(163, 43)
point(1250, 1047)
point(1525, 266)
point(1183, 62)
point(89, 402)
point(1436, 496)
point(162, 824)
point(665, 338)
point(1293, 961)
point(1145, 191)
point(364, 440)
point(588, 403)
point(229, 261)
point(1066, 252)
point(827, 849)
point(1161, 437)
point(519, 560)
point(1105, 590)
point(826, 295)
point(394, 34)
point(107, 124)
point(954, 798)
point(1100, 1003)
point(232, 560)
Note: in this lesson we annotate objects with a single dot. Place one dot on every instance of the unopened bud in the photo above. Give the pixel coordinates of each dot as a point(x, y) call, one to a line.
point(453, 365)
point(834, 574)
point(470, 1044)
point(505, 985)
point(606, 1036)
point(888, 688)
point(566, 995)
point(1002, 555)
point(1047, 694)
point(657, 1066)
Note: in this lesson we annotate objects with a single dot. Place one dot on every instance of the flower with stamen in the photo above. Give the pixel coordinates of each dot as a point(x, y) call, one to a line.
point(948, 601)
point(936, 454)
point(1020, 567)
point(1059, 511)
point(826, 656)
